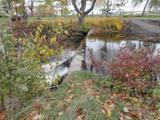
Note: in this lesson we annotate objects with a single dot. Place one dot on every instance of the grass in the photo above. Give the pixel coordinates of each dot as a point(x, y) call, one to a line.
point(74, 18)
point(85, 95)
point(72, 100)
point(149, 17)
point(4, 22)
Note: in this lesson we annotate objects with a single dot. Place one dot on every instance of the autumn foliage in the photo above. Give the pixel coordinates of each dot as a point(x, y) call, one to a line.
point(105, 25)
point(136, 69)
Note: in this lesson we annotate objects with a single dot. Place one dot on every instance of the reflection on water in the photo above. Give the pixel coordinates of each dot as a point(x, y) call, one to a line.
point(107, 49)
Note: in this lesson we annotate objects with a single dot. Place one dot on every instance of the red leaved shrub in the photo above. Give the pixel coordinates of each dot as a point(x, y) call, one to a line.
point(131, 65)
point(135, 68)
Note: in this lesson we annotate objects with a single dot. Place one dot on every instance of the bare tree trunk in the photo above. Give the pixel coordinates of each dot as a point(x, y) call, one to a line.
point(108, 7)
point(144, 10)
point(81, 12)
point(31, 7)
point(31, 12)
point(16, 10)
point(81, 19)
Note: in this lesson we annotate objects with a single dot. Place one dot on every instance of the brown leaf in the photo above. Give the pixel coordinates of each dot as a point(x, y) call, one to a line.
point(3, 115)
point(69, 98)
point(61, 104)
point(37, 106)
point(79, 114)
point(88, 83)
point(134, 114)
point(69, 91)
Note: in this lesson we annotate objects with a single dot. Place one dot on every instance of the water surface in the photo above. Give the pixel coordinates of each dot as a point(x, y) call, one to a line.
point(107, 49)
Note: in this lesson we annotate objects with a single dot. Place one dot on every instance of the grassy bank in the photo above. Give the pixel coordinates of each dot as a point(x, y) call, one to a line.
point(87, 96)
point(110, 23)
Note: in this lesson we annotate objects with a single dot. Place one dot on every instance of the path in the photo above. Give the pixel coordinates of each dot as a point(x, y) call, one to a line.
point(147, 26)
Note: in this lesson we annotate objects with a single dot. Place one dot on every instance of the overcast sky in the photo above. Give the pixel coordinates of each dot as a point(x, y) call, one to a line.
point(128, 7)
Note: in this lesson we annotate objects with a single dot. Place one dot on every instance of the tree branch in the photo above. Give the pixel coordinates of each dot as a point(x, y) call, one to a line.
point(83, 5)
point(75, 6)
point(89, 10)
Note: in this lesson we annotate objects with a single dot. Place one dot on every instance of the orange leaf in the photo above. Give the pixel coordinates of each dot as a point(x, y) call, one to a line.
point(3, 115)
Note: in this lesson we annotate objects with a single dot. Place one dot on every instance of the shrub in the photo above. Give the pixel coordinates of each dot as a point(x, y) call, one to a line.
point(22, 78)
point(100, 25)
point(47, 39)
point(105, 25)
point(135, 69)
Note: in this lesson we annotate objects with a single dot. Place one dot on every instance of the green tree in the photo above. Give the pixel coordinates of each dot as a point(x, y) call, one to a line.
point(63, 6)
point(46, 7)
point(17, 5)
point(48, 2)
point(6, 4)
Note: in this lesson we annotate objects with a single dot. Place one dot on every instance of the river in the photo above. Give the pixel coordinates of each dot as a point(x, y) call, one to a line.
point(102, 48)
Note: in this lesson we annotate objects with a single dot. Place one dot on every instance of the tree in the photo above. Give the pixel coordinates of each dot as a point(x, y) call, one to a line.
point(48, 2)
point(154, 4)
point(144, 9)
point(120, 4)
point(107, 7)
point(81, 12)
point(6, 4)
point(31, 6)
point(63, 5)
point(46, 10)
point(60, 5)
point(136, 2)
point(17, 5)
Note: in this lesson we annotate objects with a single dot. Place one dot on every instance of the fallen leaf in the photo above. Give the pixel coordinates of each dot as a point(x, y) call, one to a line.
point(109, 113)
point(69, 98)
point(60, 113)
point(79, 114)
point(37, 117)
point(125, 109)
point(88, 83)
point(3, 115)
point(69, 91)
point(128, 118)
point(37, 106)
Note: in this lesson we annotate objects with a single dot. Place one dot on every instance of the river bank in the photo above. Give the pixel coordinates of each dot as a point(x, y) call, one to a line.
point(147, 30)
point(127, 92)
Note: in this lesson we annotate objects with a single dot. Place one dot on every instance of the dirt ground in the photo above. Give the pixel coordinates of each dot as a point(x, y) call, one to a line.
point(148, 30)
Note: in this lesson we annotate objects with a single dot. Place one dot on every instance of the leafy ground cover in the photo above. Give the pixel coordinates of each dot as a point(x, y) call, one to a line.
point(129, 93)
point(87, 96)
